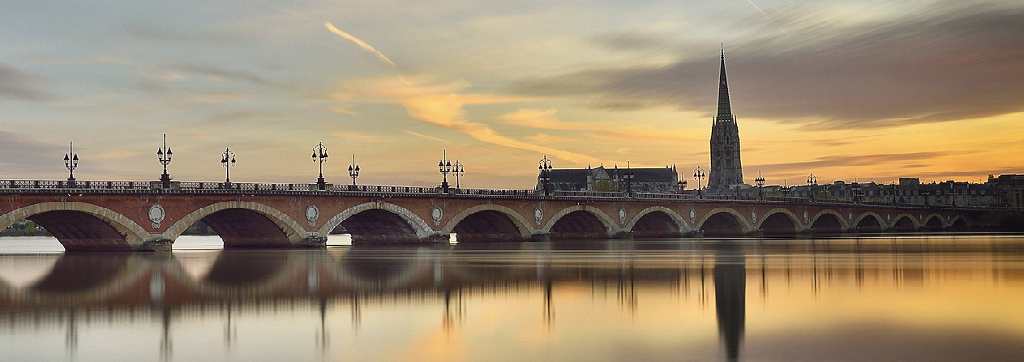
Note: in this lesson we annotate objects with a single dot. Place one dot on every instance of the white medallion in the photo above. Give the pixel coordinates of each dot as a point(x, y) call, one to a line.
point(312, 213)
point(622, 216)
point(693, 215)
point(157, 214)
point(753, 216)
point(538, 215)
point(805, 217)
point(437, 214)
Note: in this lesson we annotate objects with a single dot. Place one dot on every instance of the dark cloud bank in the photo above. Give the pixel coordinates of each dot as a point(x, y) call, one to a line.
point(18, 85)
point(943, 65)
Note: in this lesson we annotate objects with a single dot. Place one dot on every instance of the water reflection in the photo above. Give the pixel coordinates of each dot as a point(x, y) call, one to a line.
point(604, 300)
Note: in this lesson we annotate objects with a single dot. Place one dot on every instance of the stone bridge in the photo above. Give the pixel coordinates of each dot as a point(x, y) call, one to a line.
point(128, 216)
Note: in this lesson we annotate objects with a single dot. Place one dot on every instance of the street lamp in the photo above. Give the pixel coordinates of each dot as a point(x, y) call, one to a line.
point(699, 175)
point(320, 155)
point(163, 154)
point(227, 160)
point(812, 183)
point(760, 186)
point(952, 193)
point(444, 166)
point(71, 163)
point(682, 186)
point(353, 170)
point(545, 174)
point(458, 170)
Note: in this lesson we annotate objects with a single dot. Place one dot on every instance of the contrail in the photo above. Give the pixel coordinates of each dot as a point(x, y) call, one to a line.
point(757, 7)
point(359, 42)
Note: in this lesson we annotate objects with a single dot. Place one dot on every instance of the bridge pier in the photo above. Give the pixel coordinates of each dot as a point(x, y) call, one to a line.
point(541, 237)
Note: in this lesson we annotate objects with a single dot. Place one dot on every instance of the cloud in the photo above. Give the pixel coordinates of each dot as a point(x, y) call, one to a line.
point(20, 156)
point(848, 161)
point(18, 85)
point(360, 43)
point(217, 74)
point(442, 104)
point(426, 137)
point(547, 119)
point(933, 66)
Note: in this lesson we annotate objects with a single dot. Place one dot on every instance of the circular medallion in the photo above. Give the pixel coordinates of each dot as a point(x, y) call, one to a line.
point(157, 213)
point(805, 217)
point(622, 216)
point(849, 216)
point(887, 216)
point(693, 215)
point(312, 213)
point(753, 216)
point(538, 215)
point(437, 214)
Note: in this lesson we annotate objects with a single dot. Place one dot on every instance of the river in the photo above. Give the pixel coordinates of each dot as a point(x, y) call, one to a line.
point(913, 297)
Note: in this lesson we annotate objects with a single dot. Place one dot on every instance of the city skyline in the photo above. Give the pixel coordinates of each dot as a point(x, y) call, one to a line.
point(848, 102)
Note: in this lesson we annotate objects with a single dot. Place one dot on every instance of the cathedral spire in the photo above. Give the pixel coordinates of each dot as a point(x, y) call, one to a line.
point(724, 107)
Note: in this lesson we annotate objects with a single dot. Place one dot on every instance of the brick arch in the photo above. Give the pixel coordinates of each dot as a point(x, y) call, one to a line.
point(842, 220)
point(133, 236)
point(292, 230)
point(521, 224)
point(672, 214)
point(421, 227)
point(927, 219)
point(953, 220)
point(399, 274)
point(797, 224)
point(882, 224)
point(744, 223)
point(607, 221)
point(277, 274)
point(913, 220)
point(125, 270)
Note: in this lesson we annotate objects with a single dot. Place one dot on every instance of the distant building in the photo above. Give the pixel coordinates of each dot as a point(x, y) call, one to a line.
point(1009, 189)
point(726, 169)
point(601, 179)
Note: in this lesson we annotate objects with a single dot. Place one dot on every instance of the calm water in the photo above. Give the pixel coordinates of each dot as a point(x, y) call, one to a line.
point(907, 298)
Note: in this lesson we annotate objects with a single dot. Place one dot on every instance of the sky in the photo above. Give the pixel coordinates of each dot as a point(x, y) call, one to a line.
point(850, 90)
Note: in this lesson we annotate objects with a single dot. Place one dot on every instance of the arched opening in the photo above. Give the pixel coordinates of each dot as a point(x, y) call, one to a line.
point(579, 224)
point(74, 273)
point(377, 226)
point(904, 224)
point(778, 224)
point(239, 228)
point(373, 269)
point(656, 224)
point(959, 225)
point(487, 226)
point(81, 231)
point(722, 224)
point(827, 224)
point(934, 223)
point(869, 224)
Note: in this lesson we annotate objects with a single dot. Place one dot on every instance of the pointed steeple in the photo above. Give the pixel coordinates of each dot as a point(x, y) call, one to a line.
point(724, 107)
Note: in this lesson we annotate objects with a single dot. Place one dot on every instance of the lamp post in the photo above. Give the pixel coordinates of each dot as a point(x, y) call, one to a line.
point(545, 174)
point(699, 175)
point(760, 186)
point(682, 187)
point(320, 155)
point(353, 170)
point(458, 170)
point(71, 163)
point(812, 183)
point(952, 193)
point(163, 154)
point(444, 166)
point(227, 160)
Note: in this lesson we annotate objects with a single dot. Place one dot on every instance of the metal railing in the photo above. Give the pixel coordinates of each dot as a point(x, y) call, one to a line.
point(206, 187)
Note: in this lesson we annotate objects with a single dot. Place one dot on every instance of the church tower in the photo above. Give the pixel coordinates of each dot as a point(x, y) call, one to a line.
point(726, 169)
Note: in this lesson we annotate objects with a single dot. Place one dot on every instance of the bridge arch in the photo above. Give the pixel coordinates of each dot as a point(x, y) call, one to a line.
point(828, 221)
point(869, 222)
point(243, 224)
point(380, 222)
point(81, 226)
point(933, 222)
point(779, 221)
point(905, 222)
point(657, 221)
point(958, 223)
point(720, 218)
point(580, 221)
point(488, 222)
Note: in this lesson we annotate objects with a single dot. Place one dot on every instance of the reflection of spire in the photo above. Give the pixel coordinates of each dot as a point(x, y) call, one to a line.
point(549, 311)
point(730, 278)
point(323, 324)
point(229, 330)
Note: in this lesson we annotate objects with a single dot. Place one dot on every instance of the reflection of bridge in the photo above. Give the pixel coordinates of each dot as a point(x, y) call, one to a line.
point(130, 216)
